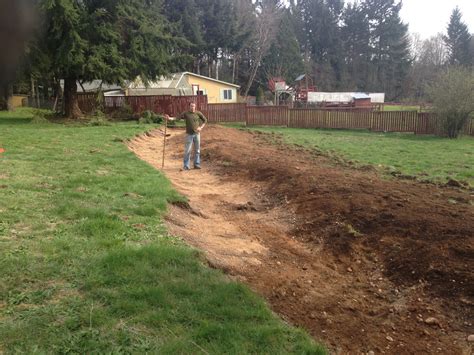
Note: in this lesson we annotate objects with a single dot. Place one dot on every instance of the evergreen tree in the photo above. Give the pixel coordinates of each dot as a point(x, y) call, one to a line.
point(389, 47)
point(356, 39)
point(243, 22)
point(321, 39)
point(187, 19)
point(111, 40)
point(216, 30)
point(458, 40)
point(284, 58)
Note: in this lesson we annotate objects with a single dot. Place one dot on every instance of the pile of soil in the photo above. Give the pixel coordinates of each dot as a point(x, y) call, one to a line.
point(362, 262)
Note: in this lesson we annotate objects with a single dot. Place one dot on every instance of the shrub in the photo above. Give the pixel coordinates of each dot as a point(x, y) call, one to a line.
point(40, 116)
point(98, 119)
point(125, 112)
point(452, 95)
point(149, 117)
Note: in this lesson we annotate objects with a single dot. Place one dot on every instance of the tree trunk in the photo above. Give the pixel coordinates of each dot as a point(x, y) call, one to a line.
point(234, 68)
point(33, 95)
point(209, 66)
point(71, 105)
point(3, 97)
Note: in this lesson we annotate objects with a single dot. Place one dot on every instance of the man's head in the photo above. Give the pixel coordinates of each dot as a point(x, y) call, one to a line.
point(192, 107)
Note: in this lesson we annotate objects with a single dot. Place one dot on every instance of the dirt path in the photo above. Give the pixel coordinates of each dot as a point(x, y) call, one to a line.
point(362, 263)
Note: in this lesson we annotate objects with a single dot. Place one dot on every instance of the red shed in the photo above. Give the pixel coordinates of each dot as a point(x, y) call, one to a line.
point(361, 100)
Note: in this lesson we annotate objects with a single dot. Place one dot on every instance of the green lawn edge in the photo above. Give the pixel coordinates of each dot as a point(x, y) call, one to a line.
point(425, 158)
point(88, 266)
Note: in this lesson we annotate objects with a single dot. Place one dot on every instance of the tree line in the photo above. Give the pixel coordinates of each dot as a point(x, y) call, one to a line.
point(339, 45)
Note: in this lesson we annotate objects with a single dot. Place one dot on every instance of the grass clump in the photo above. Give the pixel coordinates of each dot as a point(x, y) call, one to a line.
point(88, 267)
point(98, 119)
point(149, 117)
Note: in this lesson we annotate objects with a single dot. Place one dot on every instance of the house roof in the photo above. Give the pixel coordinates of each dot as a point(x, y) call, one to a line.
point(165, 82)
point(300, 77)
point(93, 86)
point(172, 81)
point(360, 96)
point(183, 74)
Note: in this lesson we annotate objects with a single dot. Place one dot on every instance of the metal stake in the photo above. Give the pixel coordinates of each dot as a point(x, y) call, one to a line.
point(164, 144)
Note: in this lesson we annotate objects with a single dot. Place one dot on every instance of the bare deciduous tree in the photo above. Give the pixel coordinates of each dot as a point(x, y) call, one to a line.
point(268, 18)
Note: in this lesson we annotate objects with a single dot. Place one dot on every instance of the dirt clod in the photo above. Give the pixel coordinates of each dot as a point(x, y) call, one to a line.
point(432, 321)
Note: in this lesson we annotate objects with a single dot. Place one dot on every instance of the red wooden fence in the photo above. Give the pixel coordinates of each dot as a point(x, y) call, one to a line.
point(268, 115)
point(225, 112)
point(391, 121)
point(89, 102)
point(311, 118)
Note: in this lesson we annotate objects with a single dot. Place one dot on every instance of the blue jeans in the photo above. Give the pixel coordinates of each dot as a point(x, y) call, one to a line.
point(189, 140)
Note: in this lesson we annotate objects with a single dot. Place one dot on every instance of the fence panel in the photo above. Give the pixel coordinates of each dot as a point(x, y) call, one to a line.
point(226, 112)
point(428, 123)
point(394, 121)
point(311, 118)
point(267, 115)
point(89, 102)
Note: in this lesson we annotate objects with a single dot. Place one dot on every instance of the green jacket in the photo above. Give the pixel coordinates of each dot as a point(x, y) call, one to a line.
point(193, 120)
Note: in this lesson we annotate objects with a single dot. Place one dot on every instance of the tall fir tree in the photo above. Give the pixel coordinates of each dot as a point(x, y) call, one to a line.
point(320, 38)
point(389, 47)
point(356, 39)
point(111, 40)
point(216, 32)
point(186, 18)
point(458, 40)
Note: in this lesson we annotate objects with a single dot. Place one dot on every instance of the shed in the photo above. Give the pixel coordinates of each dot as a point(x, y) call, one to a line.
point(361, 100)
point(17, 100)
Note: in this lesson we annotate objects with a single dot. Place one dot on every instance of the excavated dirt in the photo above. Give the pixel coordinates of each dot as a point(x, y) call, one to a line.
point(361, 262)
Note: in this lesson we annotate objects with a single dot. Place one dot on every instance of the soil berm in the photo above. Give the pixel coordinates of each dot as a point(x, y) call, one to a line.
point(363, 263)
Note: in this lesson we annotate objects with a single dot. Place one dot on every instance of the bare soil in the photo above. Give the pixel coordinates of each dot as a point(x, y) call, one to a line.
point(363, 263)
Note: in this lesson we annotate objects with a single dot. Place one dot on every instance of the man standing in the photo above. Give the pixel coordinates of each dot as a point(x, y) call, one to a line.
point(195, 122)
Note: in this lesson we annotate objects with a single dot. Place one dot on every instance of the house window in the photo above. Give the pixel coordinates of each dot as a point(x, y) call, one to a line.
point(227, 94)
point(195, 89)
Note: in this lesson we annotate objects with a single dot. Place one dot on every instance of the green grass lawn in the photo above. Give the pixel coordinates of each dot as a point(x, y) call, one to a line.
point(427, 157)
point(86, 263)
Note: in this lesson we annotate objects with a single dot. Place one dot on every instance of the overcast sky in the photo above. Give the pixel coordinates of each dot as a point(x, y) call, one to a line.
point(428, 17)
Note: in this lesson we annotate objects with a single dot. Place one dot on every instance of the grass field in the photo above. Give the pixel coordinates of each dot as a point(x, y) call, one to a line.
point(426, 157)
point(86, 263)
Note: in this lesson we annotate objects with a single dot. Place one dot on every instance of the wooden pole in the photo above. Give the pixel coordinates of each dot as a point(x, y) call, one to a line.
point(164, 144)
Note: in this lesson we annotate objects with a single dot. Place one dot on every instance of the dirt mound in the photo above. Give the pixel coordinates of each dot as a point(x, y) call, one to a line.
point(362, 262)
point(420, 233)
